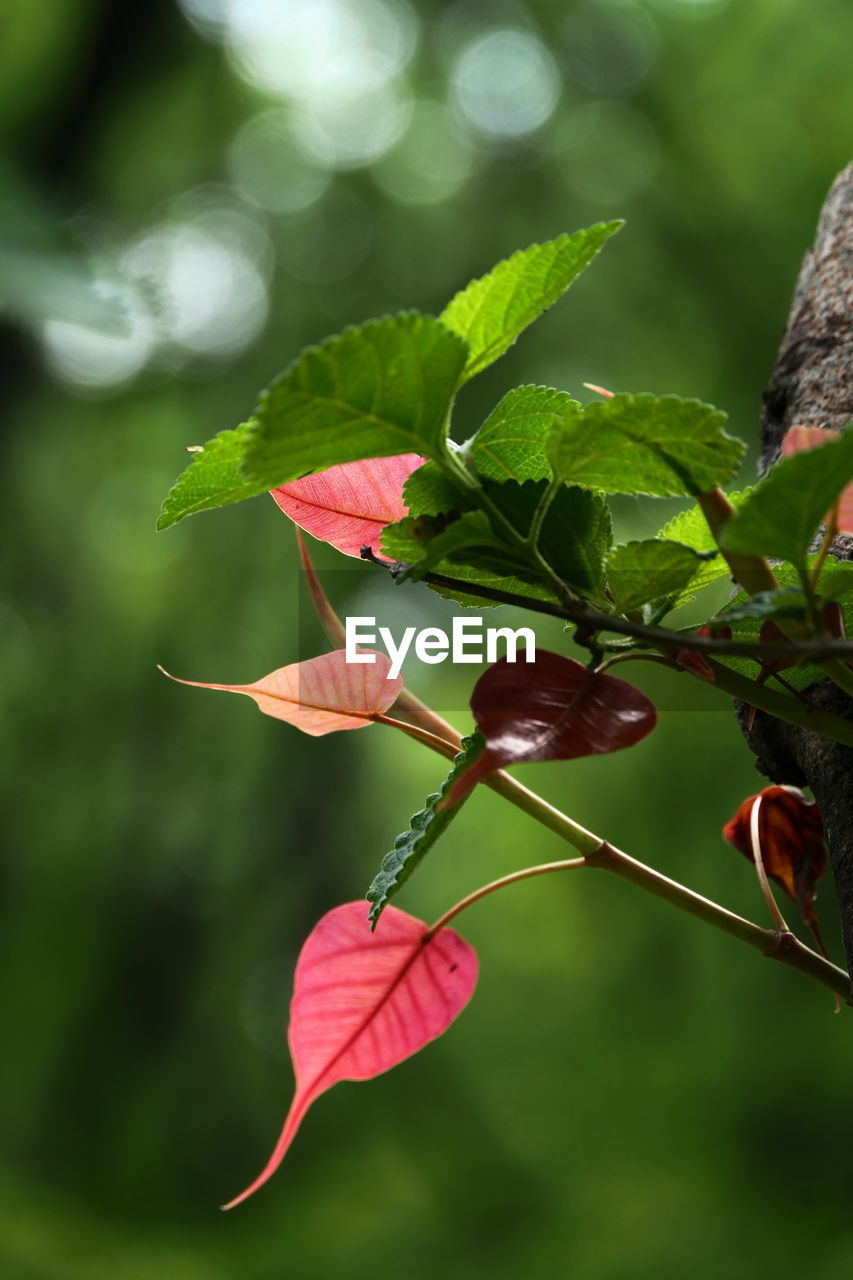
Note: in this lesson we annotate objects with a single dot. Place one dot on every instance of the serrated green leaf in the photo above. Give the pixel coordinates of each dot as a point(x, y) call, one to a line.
point(424, 829)
point(425, 541)
point(785, 602)
point(576, 534)
point(429, 492)
point(510, 444)
point(658, 445)
point(490, 571)
point(492, 311)
point(786, 508)
point(836, 580)
point(640, 572)
point(466, 550)
point(574, 538)
point(383, 388)
point(691, 528)
point(212, 479)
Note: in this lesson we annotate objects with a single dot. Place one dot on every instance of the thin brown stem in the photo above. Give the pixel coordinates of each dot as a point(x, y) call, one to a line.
point(817, 648)
point(758, 859)
point(823, 550)
point(752, 572)
point(658, 658)
point(545, 868)
point(420, 735)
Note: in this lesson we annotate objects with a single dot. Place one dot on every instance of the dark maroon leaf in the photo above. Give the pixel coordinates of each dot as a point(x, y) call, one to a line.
point(551, 709)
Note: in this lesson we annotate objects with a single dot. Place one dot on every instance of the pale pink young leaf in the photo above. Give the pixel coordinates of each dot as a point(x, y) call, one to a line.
point(321, 695)
point(349, 505)
point(801, 439)
point(362, 1002)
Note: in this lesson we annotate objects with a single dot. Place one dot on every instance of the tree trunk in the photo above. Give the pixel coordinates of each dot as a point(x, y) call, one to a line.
point(811, 386)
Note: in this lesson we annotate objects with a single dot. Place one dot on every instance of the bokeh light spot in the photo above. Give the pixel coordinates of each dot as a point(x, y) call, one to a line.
point(270, 170)
point(348, 132)
point(505, 83)
point(212, 294)
point(320, 49)
point(431, 160)
point(93, 358)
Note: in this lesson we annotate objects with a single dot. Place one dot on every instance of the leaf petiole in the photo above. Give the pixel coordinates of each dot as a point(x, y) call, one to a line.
point(545, 868)
point(758, 859)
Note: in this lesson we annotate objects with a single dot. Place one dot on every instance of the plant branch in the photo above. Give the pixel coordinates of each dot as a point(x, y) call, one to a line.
point(597, 853)
point(816, 648)
point(791, 710)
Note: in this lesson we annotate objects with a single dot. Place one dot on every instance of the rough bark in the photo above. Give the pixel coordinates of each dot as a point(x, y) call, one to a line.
point(812, 386)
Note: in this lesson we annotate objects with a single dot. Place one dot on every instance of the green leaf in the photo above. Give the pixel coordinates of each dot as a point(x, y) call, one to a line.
point(639, 572)
point(576, 534)
point(425, 541)
point(691, 528)
point(424, 829)
point(492, 311)
point(658, 445)
point(491, 569)
point(786, 508)
point(429, 492)
point(784, 602)
point(835, 583)
point(212, 479)
point(382, 389)
point(575, 537)
point(510, 444)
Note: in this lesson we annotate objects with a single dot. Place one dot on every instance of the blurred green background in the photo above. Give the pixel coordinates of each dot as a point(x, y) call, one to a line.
point(193, 191)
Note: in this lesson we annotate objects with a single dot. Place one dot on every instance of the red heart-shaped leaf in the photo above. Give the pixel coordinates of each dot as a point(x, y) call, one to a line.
point(551, 709)
point(349, 505)
point(362, 1002)
point(321, 695)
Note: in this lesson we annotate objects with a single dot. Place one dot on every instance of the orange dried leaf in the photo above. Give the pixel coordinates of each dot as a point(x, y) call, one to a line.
point(792, 845)
point(322, 694)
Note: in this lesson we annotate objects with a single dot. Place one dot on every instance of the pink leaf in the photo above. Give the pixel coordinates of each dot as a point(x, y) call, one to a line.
point(800, 440)
point(349, 505)
point(362, 1002)
point(322, 694)
point(550, 709)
